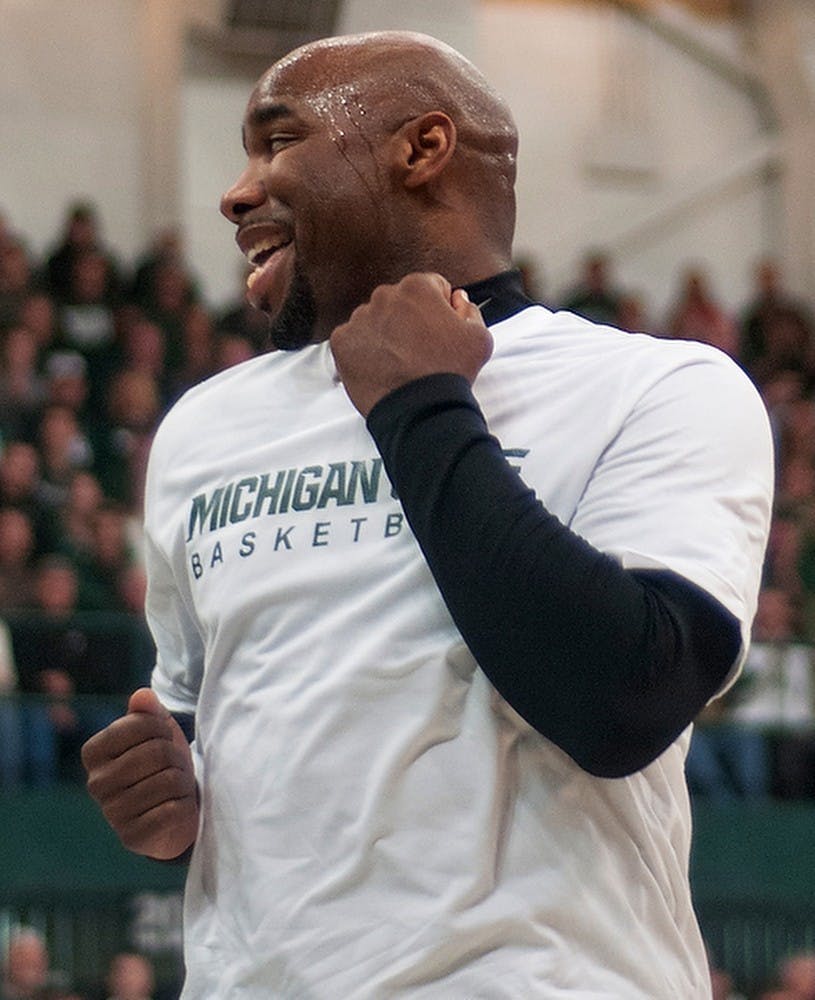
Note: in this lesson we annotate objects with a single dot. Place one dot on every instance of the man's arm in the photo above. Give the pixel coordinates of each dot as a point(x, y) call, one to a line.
point(611, 664)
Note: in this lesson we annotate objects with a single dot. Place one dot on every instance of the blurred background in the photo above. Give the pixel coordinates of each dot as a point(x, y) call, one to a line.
point(665, 186)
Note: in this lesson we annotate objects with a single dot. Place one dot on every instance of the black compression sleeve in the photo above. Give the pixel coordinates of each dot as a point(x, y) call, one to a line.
point(609, 664)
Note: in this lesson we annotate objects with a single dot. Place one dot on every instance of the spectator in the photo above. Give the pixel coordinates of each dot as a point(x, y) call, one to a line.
point(143, 349)
point(231, 349)
point(60, 654)
point(17, 548)
point(22, 389)
point(696, 315)
point(769, 299)
point(39, 315)
point(130, 977)
point(721, 983)
point(26, 969)
point(77, 516)
point(788, 349)
point(594, 295)
point(81, 234)
point(87, 318)
point(796, 974)
point(66, 380)
point(20, 481)
point(169, 299)
point(102, 565)
point(16, 281)
point(133, 410)
point(64, 448)
point(168, 248)
point(198, 349)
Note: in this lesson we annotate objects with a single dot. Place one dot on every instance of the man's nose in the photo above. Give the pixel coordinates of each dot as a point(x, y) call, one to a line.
point(246, 193)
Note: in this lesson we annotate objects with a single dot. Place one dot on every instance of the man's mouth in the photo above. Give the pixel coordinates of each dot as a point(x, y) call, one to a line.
point(261, 252)
point(271, 260)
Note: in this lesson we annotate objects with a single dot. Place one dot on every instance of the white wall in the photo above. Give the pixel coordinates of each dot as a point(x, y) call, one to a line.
point(70, 115)
point(72, 123)
point(562, 68)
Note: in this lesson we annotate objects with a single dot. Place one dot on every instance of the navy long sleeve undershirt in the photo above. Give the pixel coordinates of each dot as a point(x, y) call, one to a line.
point(609, 664)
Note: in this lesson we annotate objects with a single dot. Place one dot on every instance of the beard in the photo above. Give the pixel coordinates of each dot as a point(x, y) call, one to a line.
point(293, 327)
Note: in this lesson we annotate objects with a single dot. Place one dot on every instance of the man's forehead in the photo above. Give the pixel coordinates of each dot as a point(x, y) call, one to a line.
point(311, 74)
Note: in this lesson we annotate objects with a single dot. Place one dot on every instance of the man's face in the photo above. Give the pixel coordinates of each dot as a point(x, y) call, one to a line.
point(312, 206)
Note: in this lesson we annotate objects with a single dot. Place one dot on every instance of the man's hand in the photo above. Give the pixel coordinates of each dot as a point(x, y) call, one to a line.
point(140, 772)
point(417, 327)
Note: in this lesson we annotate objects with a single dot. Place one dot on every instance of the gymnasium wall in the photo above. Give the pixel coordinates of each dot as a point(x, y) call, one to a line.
point(627, 141)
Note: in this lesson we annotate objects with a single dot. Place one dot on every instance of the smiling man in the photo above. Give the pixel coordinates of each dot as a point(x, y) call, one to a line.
point(440, 584)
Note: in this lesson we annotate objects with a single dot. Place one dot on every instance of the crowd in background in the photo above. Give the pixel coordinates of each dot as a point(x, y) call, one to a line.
point(94, 352)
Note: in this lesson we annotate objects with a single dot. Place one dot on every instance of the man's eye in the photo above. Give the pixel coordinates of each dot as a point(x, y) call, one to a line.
point(278, 141)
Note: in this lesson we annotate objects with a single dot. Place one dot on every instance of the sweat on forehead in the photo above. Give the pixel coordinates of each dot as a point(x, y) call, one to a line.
point(395, 70)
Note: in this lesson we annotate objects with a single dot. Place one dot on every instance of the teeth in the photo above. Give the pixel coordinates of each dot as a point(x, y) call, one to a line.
point(259, 248)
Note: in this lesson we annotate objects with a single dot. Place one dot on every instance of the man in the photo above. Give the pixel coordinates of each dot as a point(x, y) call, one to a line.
point(443, 760)
point(130, 977)
point(26, 968)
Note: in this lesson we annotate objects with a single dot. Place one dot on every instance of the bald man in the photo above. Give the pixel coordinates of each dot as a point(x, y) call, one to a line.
point(439, 584)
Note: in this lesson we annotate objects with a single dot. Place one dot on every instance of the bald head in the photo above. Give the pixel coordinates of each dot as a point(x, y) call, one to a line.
point(375, 82)
point(369, 157)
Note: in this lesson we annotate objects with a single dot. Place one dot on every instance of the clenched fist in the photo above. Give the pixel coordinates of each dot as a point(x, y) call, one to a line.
point(417, 327)
point(140, 772)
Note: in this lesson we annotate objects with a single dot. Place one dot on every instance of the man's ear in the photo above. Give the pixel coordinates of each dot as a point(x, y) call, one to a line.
point(424, 146)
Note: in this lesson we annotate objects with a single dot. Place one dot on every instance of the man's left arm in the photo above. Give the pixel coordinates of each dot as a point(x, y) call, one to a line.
point(609, 663)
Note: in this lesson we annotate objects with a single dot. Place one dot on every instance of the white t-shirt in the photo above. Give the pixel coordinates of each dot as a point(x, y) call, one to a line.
point(376, 822)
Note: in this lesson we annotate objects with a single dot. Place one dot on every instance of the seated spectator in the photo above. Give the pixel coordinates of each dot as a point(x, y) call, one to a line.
point(17, 550)
point(20, 481)
point(26, 970)
point(22, 388)
point(788, 349)
point(143, 350)
point(103, 563)
point(769, 299)
point(87, 319)
point(16, 281)
point(66, 381)
point(133, 411)
point(231, 349)
point(167, 248)
point(594, 295)
point(198, 350)
point(64, 448)
point(38, 313)
point(169, 298)
point(632, 314)
point(130, 977)
point(796, 975)
point(80, 234)
point(61, 653)
point(77, 516)
point(696, 315)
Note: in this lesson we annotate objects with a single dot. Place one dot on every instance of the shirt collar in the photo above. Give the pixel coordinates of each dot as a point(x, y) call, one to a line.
point(499, 297)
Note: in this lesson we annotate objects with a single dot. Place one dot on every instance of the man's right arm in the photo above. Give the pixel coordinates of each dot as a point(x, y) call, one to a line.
point(140, 772)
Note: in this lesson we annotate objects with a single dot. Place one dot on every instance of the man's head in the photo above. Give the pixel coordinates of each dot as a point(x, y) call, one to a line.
point(130, 977)
point(369, 156)
point(26, 966)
